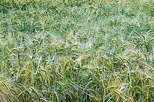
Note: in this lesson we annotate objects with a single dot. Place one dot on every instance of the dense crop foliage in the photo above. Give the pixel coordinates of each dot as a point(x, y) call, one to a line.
point(76, 51)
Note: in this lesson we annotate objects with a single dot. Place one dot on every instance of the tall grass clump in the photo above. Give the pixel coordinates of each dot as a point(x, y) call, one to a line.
point(76, 51)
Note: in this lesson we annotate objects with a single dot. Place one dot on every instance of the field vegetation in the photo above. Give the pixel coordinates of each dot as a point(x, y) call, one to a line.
point(76, 51)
